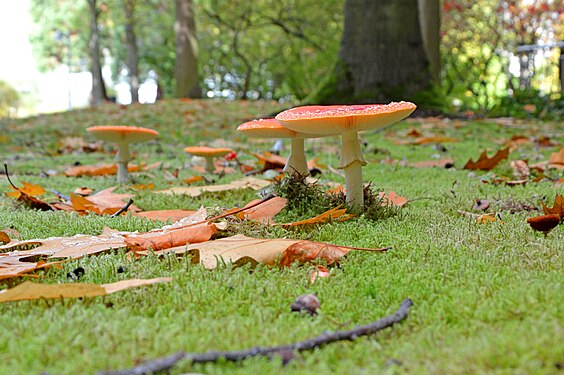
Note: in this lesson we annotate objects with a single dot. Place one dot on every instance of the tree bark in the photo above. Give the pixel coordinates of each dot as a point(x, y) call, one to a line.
point(382, 56)
point(430, 21)
point(98, 86)
point(187, 80)
point(132, 53)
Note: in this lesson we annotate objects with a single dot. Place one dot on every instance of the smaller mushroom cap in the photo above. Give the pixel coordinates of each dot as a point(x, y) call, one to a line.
point(207, 151)
point(266, 128)
point(337, 119)
point(120, 133)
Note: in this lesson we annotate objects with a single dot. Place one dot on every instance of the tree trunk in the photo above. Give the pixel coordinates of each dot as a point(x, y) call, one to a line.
point(430, 21)
point(382, 56)
point(132, 54)
point(187, 81)
point(98, 87)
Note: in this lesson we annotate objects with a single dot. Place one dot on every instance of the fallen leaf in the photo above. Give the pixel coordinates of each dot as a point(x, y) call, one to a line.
point(164, 215)
point(336, 213)
point(4, 238)
point(105, 169)
point(193, 179)
point(557, 206)
point(105, 202)
point(556, 159)
point(270, 160)
point(392, 198)
point(241, 250)
point(194, 191)
point(544, 223)
point(264, 212)
point(29, 200)
point(520, 169)
point(31, 291)
point(481, 219)
point(484, 163)
point(160, 240)
point(319, 271)
point(427, 140)
point(83, 191)
point(308, 251)
point(149, 186)
point(19, 257)
point(27, 189)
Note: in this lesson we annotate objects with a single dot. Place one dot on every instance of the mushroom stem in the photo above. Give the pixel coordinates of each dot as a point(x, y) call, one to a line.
point(352, 162)
point(210, 167)
point(354, 186)
point(122, 159)
point(297, 163)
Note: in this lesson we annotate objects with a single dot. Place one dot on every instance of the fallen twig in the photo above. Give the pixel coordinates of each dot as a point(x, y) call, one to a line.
point(166, 363)
point(123, 209)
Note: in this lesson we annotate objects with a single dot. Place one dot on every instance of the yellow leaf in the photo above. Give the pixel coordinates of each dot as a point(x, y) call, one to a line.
point(30, 291)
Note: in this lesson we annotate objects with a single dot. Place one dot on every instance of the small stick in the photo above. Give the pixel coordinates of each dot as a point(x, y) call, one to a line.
point(123, 209)
point(166, 363)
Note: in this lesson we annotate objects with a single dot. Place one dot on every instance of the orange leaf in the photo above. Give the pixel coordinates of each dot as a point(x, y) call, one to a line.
point(4, 238)
point(173, 238)
point(191, 180)
point(557, 207)
point(392, 198)
point(307, 251)
point(28, 189)
point(335, 213)
point(484, 163)
point(264, 212)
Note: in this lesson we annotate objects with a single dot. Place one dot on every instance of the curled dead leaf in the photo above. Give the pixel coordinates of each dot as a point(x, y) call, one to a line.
point(484, 163)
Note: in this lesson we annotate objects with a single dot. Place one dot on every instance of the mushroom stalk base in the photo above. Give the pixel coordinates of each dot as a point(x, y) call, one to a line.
point(122, 158)
point(210, 167)
point(297, 163)
point(354, 186)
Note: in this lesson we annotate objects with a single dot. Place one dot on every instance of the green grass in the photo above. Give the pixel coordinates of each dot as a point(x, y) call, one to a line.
point(487, 297)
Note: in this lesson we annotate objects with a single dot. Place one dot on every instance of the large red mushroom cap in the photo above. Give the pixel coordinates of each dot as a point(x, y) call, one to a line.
point(337, 119)
point(121, 133)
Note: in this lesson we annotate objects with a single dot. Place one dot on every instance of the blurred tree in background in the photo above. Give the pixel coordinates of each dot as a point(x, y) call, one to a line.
point(290, 49)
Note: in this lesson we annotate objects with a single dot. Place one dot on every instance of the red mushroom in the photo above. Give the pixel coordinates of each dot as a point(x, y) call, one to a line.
point(208, 153)
point(122, 136)
point(270, 128)
point(347, 121)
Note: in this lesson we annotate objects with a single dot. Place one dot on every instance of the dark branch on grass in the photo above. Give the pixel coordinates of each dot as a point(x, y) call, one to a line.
point(123, 209)
point(166, 363)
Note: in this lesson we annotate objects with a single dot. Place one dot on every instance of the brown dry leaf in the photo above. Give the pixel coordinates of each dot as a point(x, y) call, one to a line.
point(557, 206)
point(16, 260)
point(557, 159)
point(427, 140)
point(392, 198)
point(319, 271)
point(241, 250)
point(336, 213)
point(165, 215)
point(83, 191)
point(31, 291)
point(516, 141)
point(521, 169)
point(270, 160)
point(264, 212)
point(414, 133)
point(106, 198)
point(440, 163)
point(484, 163)
point(194, 191)
point(4, 238)
point(308, 251)
point(166, 239)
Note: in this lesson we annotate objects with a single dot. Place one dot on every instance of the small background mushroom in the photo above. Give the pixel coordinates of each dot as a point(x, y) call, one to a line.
point(122, 136)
